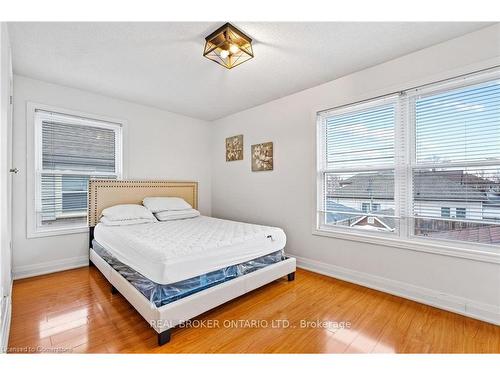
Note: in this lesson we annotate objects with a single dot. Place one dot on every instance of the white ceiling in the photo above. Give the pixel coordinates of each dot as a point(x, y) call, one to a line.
point(161, 64)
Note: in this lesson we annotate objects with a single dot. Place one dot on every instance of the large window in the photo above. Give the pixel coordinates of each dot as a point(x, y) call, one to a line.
point(70, 150)
point(423, 165)
point(357, 166)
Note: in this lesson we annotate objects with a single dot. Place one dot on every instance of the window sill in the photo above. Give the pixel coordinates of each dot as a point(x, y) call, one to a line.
point(426, 246)
point(57, 232)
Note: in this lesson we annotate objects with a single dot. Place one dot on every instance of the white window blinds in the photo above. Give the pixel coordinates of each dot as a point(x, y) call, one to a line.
point(71, 150)
point(360, 138)
point(423, 164)
point(457, 164)
point(78, 147)
point(358, 166)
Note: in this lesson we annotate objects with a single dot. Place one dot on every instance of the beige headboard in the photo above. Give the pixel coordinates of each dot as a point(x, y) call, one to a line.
point(107, 193)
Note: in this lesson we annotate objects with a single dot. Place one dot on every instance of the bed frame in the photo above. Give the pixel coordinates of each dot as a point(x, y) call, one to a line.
point(106, 193)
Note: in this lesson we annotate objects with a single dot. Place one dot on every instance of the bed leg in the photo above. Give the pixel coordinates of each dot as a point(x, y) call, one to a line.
point(291, 276)
point(113, 290)
point(163, 337)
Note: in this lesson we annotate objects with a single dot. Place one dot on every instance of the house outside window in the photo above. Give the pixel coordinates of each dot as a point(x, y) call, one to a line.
point(429, 172)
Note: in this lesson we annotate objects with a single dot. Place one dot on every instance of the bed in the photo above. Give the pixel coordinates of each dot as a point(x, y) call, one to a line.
point(174, 271)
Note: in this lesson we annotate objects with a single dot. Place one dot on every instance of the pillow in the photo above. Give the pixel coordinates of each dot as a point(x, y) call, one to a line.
point(177, 215)
point(159, 204)
point(127, 212)
point(106, 221)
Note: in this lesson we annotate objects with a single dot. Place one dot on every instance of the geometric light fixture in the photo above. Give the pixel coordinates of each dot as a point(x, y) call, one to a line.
point(228, 46)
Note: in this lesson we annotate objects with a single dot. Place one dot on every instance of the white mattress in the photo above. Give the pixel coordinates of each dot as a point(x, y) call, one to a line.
point(167, 252)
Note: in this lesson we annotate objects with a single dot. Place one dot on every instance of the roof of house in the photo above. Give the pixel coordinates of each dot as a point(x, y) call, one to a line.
point(428, 185)
point(488, 235)
point(343, 214)
point(378, 185)
point(386, 217)
point(357, 215)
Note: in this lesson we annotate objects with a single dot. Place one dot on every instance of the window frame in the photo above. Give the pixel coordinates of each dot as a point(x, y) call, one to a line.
point(322, 166)
point(34, 159)
point(405, 155)
point(445, 210)
point(434, 89)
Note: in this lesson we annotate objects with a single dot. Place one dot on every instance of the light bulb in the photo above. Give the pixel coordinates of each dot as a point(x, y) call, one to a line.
point(224, 53)
point(234, 48)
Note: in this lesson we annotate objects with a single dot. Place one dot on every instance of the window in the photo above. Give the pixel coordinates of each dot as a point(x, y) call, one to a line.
point(355, 173)
point(445, 211)
point(423, 165)
point(70, 150)
point(457, 160)
point(461, 213)
point(370, 207)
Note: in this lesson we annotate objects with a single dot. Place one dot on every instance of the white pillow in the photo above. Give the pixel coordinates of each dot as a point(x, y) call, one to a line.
point(159, 204)
point(106, 221)
point(177, 215)
point(127, 212)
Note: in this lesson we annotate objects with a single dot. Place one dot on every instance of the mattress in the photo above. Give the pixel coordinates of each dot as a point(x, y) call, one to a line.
point(172, 251)
point(161, 295)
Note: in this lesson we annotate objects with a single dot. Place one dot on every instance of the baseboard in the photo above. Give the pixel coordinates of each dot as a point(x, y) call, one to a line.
point(49, 267)
point(459, 305)
point(5, 328)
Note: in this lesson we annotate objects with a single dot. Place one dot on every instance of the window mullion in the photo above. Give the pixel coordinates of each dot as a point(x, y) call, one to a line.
point(400, 170)
point(410, 163)
point(384, 167)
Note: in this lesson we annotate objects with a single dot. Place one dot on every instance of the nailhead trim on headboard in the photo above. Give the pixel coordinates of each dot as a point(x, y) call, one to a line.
point(95, 185)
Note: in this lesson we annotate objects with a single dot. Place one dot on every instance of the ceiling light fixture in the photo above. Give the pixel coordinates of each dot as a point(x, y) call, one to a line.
point(228, 46)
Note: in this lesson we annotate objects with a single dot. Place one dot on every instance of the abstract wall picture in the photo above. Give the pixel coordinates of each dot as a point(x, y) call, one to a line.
point(262, 157)
point(234, 148)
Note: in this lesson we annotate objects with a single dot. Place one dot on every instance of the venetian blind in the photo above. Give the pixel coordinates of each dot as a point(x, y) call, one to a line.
point(72, 150)
point(456, 176)
point(358, 174)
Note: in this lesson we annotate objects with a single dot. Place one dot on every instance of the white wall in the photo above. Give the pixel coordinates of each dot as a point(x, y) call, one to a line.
point(284, 197)
point(159, 145)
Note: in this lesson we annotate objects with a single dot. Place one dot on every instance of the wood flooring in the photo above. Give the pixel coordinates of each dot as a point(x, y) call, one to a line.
point(74, 312)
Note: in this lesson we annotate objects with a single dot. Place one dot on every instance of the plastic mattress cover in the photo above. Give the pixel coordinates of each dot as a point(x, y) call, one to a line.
point(162, 294)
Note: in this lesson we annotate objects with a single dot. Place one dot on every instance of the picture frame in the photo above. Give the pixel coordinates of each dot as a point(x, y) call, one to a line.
point(262, 157)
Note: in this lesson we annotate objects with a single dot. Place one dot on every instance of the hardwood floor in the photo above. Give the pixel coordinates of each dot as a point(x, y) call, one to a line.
point(74, 311)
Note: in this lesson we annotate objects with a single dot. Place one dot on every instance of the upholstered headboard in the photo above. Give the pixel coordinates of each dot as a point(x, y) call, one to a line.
point(107, 193)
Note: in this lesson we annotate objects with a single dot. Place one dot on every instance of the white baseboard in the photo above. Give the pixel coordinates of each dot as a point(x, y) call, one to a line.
point(459, 305)
point(49, 267)
point(5, 328)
